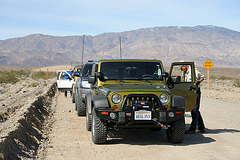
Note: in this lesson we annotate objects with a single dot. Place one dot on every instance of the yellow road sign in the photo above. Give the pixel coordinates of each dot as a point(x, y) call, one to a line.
point(208, 64)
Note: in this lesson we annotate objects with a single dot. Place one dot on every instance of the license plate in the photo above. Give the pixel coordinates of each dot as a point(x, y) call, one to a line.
point(142, 115)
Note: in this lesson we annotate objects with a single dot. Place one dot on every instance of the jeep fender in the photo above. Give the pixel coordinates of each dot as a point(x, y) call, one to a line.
point(100, 101)
point(178, 101)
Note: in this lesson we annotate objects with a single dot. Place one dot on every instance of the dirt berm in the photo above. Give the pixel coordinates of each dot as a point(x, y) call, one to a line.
point(23, 138)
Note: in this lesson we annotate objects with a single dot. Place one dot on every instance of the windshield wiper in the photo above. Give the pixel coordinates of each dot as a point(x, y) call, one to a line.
point(145, 80)
point(116, 80)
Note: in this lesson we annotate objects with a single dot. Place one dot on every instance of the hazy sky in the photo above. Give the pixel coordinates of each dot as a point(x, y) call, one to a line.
point(91, 17)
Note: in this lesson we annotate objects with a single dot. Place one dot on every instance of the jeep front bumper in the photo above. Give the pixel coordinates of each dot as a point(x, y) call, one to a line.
point(140, 118)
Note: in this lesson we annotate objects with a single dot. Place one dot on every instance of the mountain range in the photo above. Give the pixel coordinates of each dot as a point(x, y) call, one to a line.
point(169, 44)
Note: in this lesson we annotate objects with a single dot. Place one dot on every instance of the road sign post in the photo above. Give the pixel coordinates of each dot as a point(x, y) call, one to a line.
point(208, 64)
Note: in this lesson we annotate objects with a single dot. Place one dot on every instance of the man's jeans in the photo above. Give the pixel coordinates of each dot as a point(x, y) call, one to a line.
point(196, 115)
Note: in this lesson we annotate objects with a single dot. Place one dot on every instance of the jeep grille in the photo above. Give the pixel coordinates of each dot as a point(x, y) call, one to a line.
point(134, 102)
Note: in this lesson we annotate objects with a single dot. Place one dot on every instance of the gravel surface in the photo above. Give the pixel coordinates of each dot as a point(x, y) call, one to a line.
point(69, 138)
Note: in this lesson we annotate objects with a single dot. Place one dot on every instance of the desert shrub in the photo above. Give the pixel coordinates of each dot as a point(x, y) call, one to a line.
point(236, 83)
point(21, 74)
point(220, 77)
point(34, 84)
point(8, 77)
point(213, 77)
point(43, 75)
point(13, 76)
point(51, 75)
point(225, 78)
point(39, 75)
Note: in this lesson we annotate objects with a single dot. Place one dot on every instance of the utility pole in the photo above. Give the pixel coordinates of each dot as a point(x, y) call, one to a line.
point(103, 55)
point(120, 39)
point(83, 48)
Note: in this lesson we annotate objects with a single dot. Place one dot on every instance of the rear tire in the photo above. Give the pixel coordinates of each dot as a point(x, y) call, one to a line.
point(99, 129)
point(88, 117)
point(81, 107)
point(176, 132)
point(76, 101)
point(73, 97)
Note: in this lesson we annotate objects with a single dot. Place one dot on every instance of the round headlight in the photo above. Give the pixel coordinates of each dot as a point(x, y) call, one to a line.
point(116, 98)
point(164, 98)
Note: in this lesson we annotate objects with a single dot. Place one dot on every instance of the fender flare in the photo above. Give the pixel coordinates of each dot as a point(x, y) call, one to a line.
point(178, 101)
point(100, 101)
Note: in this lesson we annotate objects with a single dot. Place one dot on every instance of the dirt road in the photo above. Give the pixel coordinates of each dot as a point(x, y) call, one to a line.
point(70, 140)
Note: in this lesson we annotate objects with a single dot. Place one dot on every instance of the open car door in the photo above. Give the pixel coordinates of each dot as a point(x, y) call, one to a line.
point(185, 87)
point(62, 83)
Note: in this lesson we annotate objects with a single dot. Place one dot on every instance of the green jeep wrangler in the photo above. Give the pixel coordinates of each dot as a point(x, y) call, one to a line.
point(130, 93)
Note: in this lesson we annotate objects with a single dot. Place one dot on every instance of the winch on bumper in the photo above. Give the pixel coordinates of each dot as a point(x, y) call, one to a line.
point(141, 113)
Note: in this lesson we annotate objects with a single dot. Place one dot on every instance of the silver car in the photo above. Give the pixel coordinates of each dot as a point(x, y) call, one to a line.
point(82, 87)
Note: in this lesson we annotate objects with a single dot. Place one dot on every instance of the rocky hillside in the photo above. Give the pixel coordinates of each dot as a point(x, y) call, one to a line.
point(220, 45)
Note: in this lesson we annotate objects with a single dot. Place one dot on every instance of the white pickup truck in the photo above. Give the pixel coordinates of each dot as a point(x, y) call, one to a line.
point(62, 83)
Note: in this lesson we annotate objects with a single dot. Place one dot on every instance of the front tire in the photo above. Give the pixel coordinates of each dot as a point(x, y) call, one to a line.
point(176, 132)
point(99, 129)
point(73, 97)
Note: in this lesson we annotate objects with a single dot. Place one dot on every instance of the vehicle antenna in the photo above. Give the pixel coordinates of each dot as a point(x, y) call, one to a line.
point(102, 54)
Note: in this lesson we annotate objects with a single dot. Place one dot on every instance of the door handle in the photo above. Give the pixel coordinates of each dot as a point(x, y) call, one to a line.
point(192, 88)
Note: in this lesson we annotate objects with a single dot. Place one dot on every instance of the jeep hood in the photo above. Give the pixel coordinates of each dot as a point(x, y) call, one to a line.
point(133, 87)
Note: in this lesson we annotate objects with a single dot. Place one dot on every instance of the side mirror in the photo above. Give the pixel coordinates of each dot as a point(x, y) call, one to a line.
point(91, 79)
point(100, 76)
point(173, 80)
point(165, 74)
point(77, 74)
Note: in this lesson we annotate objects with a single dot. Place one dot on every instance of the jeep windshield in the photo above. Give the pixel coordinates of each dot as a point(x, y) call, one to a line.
point(131, 71)
point(87, 70)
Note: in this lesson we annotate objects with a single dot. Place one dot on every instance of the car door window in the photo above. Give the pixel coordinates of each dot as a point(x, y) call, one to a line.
point(184, 71)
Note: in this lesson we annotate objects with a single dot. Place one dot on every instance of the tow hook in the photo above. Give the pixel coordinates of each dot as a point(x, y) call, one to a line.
point(116, 128)
point(162, 125)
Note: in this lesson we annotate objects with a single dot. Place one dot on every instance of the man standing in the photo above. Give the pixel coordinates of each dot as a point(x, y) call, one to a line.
point(68, 74)
point(195, 113)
